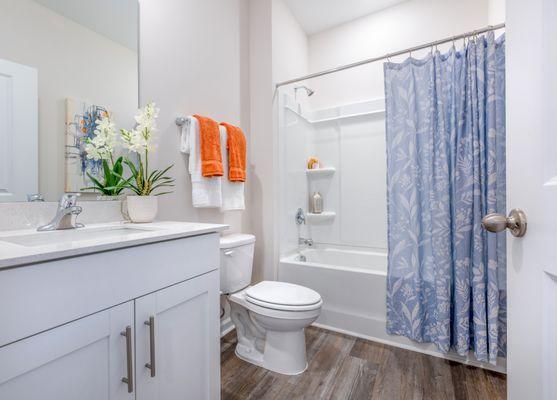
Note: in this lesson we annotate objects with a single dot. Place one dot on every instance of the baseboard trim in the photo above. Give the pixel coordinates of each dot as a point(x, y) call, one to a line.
point(226, 326)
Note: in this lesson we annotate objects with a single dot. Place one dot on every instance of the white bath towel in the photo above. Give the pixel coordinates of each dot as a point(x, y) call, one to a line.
point(205, 192)
point(232, 192)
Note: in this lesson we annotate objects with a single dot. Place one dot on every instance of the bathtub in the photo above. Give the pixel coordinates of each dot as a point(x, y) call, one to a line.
point(352, 284)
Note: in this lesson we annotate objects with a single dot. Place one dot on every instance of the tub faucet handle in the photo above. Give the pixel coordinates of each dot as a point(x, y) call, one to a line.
point(305, 242)
point(300, 217)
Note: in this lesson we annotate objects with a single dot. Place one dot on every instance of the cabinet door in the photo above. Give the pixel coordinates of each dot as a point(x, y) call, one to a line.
point(177, 341)
point(85, 359)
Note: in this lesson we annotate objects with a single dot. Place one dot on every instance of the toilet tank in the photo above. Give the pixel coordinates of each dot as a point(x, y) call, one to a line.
point(236, 262)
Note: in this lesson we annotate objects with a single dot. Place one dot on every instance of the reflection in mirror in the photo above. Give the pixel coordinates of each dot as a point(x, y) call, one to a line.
point(63, 64)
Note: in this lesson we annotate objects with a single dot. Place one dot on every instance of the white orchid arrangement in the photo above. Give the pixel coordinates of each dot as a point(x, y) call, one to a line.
point(102, 147)
point(139, 140)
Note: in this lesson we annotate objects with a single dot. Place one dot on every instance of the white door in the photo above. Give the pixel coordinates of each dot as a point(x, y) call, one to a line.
point(532, 185)
point(85, 359)
point(177, 341)
point(18, 131)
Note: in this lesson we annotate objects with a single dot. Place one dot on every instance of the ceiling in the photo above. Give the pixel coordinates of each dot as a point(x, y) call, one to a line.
point(318, 15)
point(116, 20)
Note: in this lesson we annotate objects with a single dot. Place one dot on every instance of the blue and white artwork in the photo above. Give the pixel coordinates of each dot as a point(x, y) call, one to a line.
point(81, 123)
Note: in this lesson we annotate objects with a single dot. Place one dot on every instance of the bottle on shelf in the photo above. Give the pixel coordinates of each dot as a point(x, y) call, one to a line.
point(316, 203)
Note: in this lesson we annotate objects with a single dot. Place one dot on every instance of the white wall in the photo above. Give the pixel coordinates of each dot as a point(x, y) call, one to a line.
point(72, 61)
point(278, 50)
point(262, 161)
point(496, 11)
point(290, 44)
point(194, 59)
point(405, 25)
point(191, 66)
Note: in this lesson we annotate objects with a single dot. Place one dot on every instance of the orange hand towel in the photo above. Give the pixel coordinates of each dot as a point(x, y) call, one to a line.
point(209, 143)
point(236, 146)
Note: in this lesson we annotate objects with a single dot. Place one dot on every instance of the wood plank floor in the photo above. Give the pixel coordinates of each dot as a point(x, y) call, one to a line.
point(344, 367)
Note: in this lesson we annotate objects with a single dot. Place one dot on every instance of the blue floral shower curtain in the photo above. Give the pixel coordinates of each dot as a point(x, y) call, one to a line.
point(446, 170)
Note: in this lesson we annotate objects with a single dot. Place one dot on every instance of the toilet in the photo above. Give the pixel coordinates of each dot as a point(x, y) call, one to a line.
point(270, 317)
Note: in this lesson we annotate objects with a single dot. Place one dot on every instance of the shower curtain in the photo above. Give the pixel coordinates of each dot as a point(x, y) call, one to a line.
point(446, 170)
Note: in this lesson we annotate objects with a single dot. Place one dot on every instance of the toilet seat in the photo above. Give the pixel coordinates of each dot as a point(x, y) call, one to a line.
point(271, 310)
point(283, 296)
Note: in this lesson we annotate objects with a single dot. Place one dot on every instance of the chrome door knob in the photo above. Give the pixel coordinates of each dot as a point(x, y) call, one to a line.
point(516, 222)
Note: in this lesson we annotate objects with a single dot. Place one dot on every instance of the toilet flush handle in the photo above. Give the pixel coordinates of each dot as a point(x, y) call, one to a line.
point(229, 253)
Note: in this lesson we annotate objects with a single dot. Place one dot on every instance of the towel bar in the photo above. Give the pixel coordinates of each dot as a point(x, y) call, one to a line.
point(180, 121)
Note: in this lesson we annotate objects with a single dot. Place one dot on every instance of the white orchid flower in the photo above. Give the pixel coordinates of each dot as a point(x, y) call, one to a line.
point(140, 139)
point(102, 145)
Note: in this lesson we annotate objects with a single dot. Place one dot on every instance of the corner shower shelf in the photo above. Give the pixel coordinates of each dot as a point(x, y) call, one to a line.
point(325, 216)
point(321, 172)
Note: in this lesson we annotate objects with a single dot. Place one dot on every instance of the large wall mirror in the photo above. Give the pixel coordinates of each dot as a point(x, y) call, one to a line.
point(63, 64)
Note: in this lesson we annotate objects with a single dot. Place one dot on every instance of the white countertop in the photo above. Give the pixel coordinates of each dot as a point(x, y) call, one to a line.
point(13, 255)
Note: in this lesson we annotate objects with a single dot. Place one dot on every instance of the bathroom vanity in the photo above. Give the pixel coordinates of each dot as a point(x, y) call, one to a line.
point(113, 311)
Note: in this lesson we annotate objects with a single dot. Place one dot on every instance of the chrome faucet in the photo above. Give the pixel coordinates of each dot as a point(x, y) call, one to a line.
point(300, 217)
point(305, 242)
point(35, 197)
point(66, 214)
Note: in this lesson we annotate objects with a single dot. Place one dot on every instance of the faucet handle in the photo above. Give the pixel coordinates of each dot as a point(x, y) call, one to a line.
point(68, 200)
point(300, 217)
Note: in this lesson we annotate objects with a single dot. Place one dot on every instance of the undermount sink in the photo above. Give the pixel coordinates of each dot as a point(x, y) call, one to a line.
point(74, 235)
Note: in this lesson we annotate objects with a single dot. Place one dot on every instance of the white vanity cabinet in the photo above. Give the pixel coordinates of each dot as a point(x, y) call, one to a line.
point(133, 323)
point(174, 328)
point(84, 359)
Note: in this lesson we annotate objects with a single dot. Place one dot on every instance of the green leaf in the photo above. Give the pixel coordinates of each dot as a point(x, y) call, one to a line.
point(131, 166)
point(98, 185)
point(158, 174)
point(118, 169)
point(107, 173)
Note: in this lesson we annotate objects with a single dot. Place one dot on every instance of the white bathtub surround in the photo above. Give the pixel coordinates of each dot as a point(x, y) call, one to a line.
point(350, 142)
point(15, 216)
point(142, 209)
point(27, 246)
point(361, 310)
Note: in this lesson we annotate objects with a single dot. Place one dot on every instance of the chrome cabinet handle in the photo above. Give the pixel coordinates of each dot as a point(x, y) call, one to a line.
point(129, 358)
point(229, 253)
point(151, 363)
point(516, 222)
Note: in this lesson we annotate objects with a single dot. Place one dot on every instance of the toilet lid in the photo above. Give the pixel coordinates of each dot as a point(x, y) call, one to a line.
point(274, 294)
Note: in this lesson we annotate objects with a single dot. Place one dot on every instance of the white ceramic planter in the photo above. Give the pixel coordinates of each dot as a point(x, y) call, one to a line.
point(142, 208)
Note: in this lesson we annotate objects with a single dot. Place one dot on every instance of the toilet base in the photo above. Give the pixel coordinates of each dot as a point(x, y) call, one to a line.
point(271, 339)
point(285, 353)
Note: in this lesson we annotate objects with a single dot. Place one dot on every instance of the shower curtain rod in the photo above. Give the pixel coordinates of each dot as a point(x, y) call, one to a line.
point(389, 55)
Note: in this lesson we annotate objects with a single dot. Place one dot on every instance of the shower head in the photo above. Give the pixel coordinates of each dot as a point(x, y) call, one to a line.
point(309, 91)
